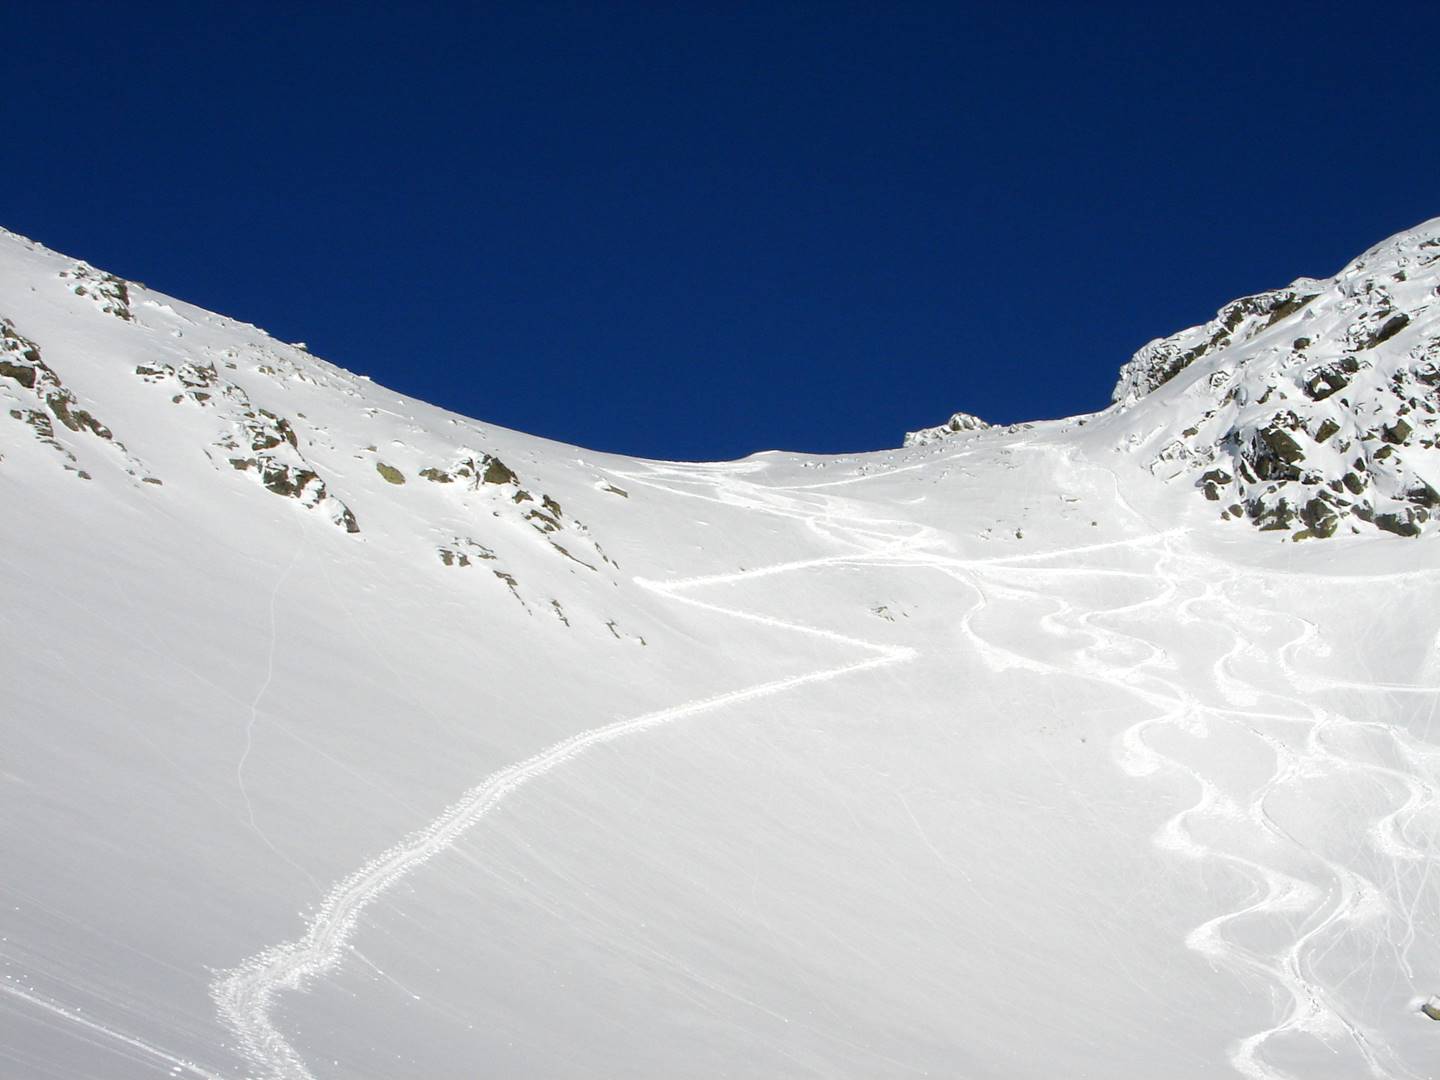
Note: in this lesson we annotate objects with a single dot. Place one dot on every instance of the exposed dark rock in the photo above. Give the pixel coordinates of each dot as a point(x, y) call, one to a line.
point(62, 404)
point(1287, 307)
point(1401, 524)
point(572, 558)
point(37, 420)
point(1387, 330)
point(111, 293)
point(1330, 379)
point(1270, 516)
point(1423, 495)
point(462, 550)
point(287, 480)
point(542, 521)
point(1320, 518)
point(20, 360)
point(1274, 454)
point(24, 374)
point(497, 472)
point(1396, 433)
point(268, 431)
point(1212, 481)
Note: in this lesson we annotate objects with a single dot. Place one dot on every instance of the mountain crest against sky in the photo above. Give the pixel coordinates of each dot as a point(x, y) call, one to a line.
point(1305, 410)
point(1316, 408)
point(1312, 408)
point(345, 735)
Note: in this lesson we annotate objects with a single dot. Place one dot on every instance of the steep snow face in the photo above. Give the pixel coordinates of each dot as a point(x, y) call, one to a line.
point(347, 737)
point(1309, 410)
point(959, 422)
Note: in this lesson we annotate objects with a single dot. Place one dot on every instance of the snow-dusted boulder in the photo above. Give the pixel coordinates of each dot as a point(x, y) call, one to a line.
point(959, 422)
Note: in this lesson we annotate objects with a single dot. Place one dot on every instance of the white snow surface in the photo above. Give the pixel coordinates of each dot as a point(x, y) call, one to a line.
point(374, 741)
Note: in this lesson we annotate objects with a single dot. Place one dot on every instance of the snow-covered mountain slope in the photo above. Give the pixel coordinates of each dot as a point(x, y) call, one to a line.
point(347, 737)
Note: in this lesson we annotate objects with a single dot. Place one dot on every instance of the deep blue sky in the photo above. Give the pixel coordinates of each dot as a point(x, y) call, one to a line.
point(695, 231)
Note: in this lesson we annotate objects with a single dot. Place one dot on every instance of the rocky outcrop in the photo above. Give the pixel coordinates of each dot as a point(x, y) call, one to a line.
point(252, 440)
point(266, 446)
point(958, 423)
point(1312, 410)
point(20, 362)
point(1237, 322)
point(199, 384)
point(485, 473)
point(109, 293)
point(462, 551)
point(40, 398)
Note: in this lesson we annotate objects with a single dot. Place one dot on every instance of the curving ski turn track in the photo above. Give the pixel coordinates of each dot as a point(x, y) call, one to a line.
point(1310, 899)
point(245, 996)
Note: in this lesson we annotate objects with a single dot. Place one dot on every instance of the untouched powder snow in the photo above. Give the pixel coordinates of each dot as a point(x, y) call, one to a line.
point(347, 737)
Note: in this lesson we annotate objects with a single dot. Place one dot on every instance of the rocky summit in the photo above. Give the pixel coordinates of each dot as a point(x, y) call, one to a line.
point(1309, 410)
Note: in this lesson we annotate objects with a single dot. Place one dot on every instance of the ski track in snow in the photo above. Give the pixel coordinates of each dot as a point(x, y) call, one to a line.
point(1283, 894)
point(178, 1065)
point(245, 996)
point(1349, 900)
point(254, 716)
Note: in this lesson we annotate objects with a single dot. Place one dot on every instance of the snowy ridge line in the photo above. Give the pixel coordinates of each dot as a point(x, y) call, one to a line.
point(245, 995)
point(178, 1064)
